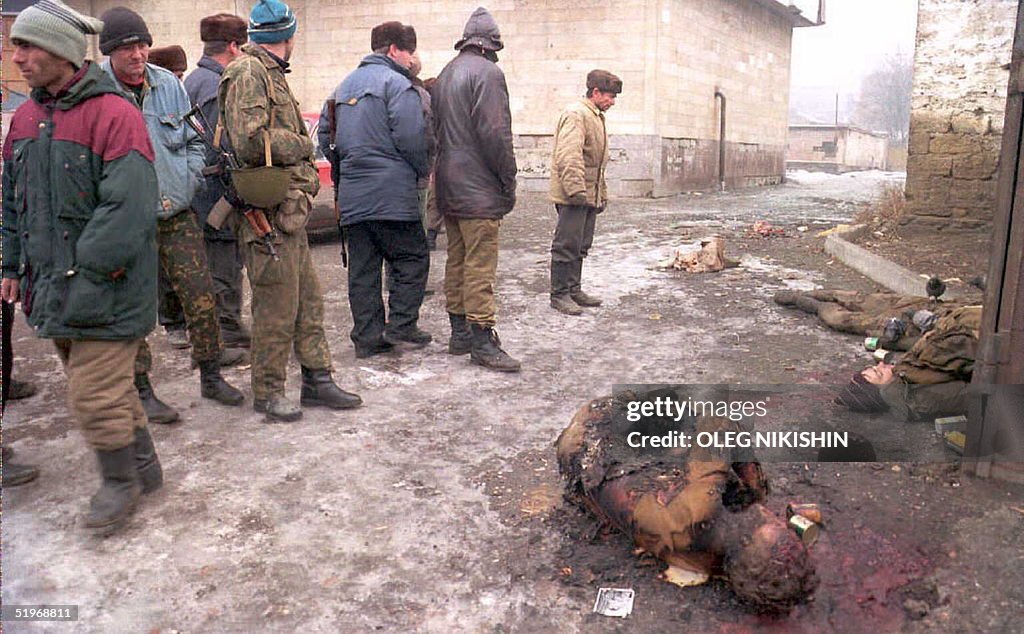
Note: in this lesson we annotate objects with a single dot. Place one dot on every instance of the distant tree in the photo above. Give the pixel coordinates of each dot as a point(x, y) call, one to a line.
point(884, 102)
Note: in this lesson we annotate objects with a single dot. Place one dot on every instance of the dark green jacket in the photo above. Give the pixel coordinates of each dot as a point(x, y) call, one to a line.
point(79, 230)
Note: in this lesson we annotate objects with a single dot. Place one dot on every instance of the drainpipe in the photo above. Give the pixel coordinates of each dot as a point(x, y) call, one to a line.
point(721, 142)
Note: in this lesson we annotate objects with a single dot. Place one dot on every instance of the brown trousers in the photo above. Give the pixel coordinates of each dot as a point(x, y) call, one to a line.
point(101, 390)
point(471, 270)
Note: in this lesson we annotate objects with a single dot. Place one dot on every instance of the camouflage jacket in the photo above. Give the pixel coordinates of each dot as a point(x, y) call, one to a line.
point(254, 96)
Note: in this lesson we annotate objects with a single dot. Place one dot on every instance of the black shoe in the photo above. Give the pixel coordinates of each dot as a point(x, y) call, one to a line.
point(461, 341)
point(487, 350)
point(20, 389)
point(319, 390)
point(115, 501)
point(15, 474)
point(147, 464)
point(213, 386)
point(414, 336)
point(278, 409)
point(235, 336)
point(380, 347)
point(156, 410)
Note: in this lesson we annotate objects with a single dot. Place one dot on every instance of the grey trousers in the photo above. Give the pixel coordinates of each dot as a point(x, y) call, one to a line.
point(574, 233)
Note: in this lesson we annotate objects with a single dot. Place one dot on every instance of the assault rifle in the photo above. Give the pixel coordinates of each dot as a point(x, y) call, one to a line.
point(226, 163)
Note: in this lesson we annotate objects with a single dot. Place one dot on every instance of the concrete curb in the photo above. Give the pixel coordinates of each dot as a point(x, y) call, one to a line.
point(886, 272)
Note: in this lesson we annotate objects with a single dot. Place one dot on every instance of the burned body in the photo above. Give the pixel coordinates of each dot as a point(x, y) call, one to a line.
point(696, 509)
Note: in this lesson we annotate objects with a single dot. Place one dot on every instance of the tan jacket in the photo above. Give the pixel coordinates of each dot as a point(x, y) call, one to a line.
point(580, 156)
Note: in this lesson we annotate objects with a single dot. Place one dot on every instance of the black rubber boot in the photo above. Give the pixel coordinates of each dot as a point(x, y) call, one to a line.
point(213, 386)
point(156, 410)
point(487, 350)
point(15, 474)
point(319, 390)
point(560, 274)
point(278, 409)
point(147, 464)
point(115, 501)
point(461, 341)
point(575, 286)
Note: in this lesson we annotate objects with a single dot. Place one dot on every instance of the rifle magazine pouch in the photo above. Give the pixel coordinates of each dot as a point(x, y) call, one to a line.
point(292, 214)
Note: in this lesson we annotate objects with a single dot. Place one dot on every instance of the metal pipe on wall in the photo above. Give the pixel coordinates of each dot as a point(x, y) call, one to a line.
point(721, 141)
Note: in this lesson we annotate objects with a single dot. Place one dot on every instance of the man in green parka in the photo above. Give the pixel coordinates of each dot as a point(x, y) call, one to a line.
point(79, 242)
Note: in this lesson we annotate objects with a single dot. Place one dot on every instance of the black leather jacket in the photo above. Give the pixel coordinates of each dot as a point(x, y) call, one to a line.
point(475, 175)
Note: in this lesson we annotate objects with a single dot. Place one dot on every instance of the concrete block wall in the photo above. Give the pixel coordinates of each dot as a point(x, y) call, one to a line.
point(670, 54)
point(957, 110)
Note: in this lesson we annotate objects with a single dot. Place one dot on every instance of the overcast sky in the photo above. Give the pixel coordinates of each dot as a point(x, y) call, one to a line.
point(857, 34)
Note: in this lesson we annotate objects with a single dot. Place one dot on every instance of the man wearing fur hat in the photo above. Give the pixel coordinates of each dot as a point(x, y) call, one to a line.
point(475, 184)
point(578, 188)
point(382, 152)
point(125, 39)
point(257, 108)
point(223, 35)
point(79, 242)
point(172, 58)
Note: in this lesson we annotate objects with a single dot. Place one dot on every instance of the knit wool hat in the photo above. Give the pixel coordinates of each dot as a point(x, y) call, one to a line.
point(271, 21)
point(481, 30)
point(223, 27)
point(121, 27)
point(56, 28)
point(388, 33)
point(861, 396)
point(170, 57)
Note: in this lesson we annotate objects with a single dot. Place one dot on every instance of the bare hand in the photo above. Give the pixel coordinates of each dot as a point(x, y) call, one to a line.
point(10, 290)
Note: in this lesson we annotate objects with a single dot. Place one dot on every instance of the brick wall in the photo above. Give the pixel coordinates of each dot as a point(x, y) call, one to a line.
point(957, 110)
point(671, 54)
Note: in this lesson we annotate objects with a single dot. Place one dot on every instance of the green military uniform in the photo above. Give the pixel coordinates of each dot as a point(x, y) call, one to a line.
point(287, 306)
point(865, 313)
point(932, 378)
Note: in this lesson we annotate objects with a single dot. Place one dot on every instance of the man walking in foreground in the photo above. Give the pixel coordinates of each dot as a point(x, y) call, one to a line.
point(475, 183)
point(578, 188)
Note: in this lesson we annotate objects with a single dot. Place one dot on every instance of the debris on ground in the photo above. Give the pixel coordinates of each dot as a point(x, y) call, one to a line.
point(707, 255)
point(614, 602)
point(764, 229)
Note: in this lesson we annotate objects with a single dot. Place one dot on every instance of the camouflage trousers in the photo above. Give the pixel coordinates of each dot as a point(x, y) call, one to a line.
point(287, 310)
point(183, 263)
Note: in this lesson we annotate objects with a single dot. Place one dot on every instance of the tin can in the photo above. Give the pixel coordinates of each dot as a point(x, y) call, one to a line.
point(882, 355)
point(805, 528)
point(871, 344)
point(810, 511)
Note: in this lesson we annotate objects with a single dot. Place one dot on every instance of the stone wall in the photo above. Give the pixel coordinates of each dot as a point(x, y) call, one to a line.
point(671, 55)
point(957, 110)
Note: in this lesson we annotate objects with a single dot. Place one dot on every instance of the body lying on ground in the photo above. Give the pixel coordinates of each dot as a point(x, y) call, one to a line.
point(695, 508)
point(867, 314)
point(930, 380)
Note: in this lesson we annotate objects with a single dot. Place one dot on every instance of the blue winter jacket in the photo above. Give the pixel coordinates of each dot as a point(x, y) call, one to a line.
point(180, 153)
point(380, 143)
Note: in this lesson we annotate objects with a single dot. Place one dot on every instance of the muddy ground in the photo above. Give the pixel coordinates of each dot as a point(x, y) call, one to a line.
point(437, 507)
